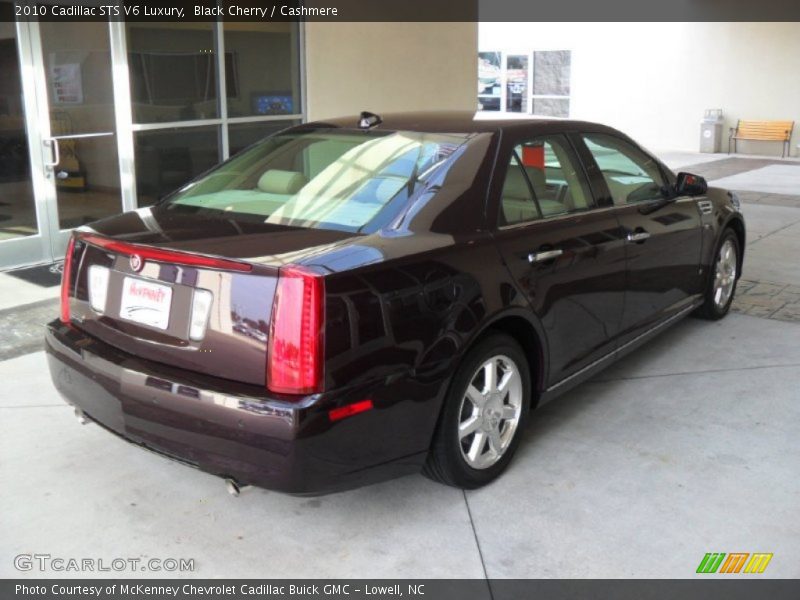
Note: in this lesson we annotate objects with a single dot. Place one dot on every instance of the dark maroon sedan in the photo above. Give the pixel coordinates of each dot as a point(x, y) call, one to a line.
point(357, 299)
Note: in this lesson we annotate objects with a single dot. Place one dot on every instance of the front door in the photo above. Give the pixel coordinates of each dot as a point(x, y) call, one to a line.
point(566, 254)
point(663, 240)
point(60, 167)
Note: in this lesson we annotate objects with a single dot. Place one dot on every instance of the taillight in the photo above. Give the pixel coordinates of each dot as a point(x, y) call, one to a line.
point(176, 257)
point(66, 278)
point(295, 353)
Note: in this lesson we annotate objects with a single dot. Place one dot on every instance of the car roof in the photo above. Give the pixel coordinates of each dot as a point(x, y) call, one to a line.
point(464, 122)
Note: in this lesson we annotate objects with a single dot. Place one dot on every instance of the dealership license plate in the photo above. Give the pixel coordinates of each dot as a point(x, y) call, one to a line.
point(145, 302)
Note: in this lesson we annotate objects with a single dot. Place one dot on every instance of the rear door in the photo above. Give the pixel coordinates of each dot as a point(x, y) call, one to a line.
point(564, 252)
point(663, 242)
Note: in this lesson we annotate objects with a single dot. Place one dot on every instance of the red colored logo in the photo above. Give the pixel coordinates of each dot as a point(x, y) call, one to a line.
point(136, 262)
point(154, 295)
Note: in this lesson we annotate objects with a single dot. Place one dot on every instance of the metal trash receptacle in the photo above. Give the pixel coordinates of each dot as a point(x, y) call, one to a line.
point(711, 131)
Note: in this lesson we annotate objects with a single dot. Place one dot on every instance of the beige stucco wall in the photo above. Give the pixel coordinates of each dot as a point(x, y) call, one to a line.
point(654, 80)
point(385, 67)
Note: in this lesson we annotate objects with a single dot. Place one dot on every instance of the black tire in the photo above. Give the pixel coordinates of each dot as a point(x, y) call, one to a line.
point(446, 462)
point(710, 309)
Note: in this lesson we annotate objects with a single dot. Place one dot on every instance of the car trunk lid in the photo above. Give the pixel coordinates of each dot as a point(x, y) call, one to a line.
point(156, 296)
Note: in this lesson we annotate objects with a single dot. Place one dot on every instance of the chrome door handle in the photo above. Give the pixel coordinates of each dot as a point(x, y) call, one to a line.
point(638, 236)
point(537, 257)
point(52, 143)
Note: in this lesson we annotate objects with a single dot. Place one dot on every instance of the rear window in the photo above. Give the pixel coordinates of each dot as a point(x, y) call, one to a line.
point(326, 179)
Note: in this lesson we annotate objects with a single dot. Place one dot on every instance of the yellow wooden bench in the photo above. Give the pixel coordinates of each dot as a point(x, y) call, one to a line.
point(769, 131)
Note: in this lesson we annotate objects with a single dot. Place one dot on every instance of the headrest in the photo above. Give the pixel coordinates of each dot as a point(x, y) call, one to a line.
point(276, 181)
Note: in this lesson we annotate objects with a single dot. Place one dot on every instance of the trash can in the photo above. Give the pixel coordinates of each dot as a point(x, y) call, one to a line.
point(711, 131)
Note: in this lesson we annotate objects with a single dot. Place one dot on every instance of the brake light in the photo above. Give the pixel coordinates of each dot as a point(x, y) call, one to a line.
point(168, 256)
point(66, 278)
point(295, 353)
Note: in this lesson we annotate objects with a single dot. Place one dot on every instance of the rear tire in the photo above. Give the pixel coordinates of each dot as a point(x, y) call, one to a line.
point(484, 414)
point(722, 279)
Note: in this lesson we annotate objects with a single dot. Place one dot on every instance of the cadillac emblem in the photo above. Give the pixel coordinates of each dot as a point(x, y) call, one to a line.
point(136, 263)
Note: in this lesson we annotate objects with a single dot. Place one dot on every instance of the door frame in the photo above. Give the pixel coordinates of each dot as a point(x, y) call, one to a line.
point(48, 244)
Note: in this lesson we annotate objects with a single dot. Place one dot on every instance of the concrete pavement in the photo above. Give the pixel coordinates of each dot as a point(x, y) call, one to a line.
point(691, 445)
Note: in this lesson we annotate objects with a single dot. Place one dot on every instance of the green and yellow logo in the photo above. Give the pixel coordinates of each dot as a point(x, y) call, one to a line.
point(713, 562)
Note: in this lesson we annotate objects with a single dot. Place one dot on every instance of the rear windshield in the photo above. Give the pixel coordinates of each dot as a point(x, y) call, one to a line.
point(321, 178)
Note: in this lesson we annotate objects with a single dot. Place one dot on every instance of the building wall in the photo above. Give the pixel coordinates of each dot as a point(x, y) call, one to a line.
point(384, 67)
point(655, 80)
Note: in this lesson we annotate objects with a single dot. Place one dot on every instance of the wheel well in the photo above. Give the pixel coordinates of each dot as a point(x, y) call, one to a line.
point(738, 228)
point(525, 335)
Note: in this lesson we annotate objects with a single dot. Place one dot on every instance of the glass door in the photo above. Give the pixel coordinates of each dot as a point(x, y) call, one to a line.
point(59, 162)
point(75, 85)
point(24, 233)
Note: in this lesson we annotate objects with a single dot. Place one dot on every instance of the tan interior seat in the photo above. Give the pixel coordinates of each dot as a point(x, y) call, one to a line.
point(517, 204)
point(277, 181)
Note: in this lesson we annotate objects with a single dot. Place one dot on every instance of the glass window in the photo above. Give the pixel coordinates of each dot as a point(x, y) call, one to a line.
point(17, 208)
point(631, 175)
point(242, 135)
point(517, 203)
point(542, 181)
point(173, 71)
point(322, 179)
point(174, 77)
point(263, 72)
point(78, 76)
point(168, 158)
point(489, 80)
point(517, 84)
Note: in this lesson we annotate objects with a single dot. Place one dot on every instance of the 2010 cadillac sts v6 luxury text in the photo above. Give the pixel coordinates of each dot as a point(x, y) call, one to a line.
point(353, 300)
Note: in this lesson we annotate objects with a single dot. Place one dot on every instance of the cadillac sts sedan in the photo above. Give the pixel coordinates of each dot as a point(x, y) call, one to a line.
point(358, 299)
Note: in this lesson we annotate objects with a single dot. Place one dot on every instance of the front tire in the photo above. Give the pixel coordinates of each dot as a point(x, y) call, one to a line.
point(484, 414)
point(722, 280)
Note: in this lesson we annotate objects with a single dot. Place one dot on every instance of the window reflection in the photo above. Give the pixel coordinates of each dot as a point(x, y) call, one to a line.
point(242, 135)
point(263, 75)
point(385, 314)
point(168, 158)
point(17, 212)
point(173, 71)
point(517, 83)
point(489, 80)
point(81, 101)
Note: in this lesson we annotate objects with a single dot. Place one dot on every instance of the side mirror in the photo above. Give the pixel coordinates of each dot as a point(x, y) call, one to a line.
point(690, 185)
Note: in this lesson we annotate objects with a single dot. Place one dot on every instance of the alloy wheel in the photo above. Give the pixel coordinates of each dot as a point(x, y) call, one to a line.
point(490, 412)
point(725, 273)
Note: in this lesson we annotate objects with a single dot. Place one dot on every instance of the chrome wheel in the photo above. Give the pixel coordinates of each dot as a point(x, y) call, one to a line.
point(725, 273)
point(490, 412)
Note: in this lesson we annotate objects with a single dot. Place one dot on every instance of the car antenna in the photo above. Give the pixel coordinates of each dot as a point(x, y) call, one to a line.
point(368, 120)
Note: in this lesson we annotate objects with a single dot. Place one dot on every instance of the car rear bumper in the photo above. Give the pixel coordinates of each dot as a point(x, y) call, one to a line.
point(236, 430)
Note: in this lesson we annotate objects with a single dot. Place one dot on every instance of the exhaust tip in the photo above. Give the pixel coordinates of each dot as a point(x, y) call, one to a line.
point(82, 419)
point(235, 488)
